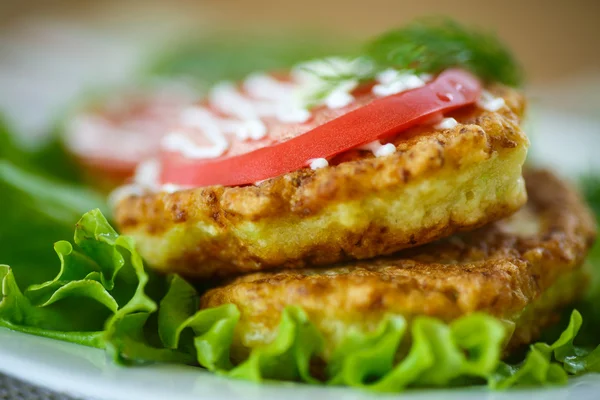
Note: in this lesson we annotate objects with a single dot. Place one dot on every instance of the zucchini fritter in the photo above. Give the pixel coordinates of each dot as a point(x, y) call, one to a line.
point(437, 183)
point(521, 269)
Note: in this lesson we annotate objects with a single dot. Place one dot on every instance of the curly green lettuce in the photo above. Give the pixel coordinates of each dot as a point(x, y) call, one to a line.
point(101, 296)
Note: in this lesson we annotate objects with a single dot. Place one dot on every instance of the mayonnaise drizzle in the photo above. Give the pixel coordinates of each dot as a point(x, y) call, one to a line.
point(341, 96)
point(392, 81)
point(446, 123)
point(226, 98)
point(145, 181)
point(378, 149)
point(199, 118)
point(263, 86)
point(318, 163)
point(489, 102)
point(267, 97)
point(240, 111)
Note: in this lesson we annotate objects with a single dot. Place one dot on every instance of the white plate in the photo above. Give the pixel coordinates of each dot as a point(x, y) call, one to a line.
point(561, 141)
point(85, 372)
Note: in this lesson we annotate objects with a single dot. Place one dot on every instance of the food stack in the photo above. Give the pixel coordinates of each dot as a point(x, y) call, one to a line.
point(360, 194)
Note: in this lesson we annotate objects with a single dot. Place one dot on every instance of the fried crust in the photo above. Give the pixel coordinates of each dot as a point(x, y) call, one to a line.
point(501, 269)
point(358, 208)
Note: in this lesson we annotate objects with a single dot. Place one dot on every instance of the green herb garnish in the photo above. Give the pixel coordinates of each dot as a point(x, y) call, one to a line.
point(430, 46)
point(423, 47)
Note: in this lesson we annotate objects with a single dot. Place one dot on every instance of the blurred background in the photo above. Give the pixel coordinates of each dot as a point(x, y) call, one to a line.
point(52, 51)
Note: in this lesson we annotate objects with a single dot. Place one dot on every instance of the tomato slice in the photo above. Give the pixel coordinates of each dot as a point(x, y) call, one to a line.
point(110, 137)
point(378, 119)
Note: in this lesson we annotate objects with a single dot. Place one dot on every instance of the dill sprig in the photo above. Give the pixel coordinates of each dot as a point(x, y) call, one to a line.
point(328, 74)
point(432, 45)
point(423, 47)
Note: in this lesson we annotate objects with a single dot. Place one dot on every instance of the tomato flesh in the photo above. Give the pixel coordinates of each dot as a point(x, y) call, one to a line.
point(111, 137)
point(380, 118)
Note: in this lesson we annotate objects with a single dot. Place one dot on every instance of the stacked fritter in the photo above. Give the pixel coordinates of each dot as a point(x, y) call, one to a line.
point(394, 186)
point(437, 183)
point(442, 227)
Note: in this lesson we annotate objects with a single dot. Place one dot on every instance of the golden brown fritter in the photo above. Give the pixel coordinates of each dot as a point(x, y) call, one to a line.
point(437, 183)
point(521, 269)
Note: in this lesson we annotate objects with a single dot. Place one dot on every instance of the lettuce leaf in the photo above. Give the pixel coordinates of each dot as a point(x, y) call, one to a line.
point(100, 282)
point(50, 160)
point(439, 354)
point(576, 360)
point(38, 208)
point(211, 330)
point(37, 211)
point(465, 351)
point(101, 296)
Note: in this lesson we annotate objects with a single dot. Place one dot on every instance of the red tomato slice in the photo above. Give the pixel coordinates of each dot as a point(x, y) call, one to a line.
point(378, 119)
point(110, 138)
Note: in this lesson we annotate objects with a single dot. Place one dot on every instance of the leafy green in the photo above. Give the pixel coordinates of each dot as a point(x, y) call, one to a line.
point(438, 354)
point(9, 150)
point(287, 357)
point(553, 363)
point(101, 296)
point(539, 367)
point(423, 47)
point(590, 184)
point(590, 308)
point(37, 211)
point(576, 360)
point(465, 351)
point(37, 208)
point(212, 329)
point(59, 201)
point(49, 161)
point(228, 57)
point(433, 45)
point(100, 284)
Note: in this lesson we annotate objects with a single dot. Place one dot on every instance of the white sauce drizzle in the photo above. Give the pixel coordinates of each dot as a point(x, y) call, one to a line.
point(291, 114)
point(318, 163)
point(199, 118)
point(171, 188)
point(265, 87)
point(264, 96)
point(269, 98)
point(146, 174)
point(145, 181)
point(489, 102)
point(446, 123)
point(340, 96)
point(426, 77)
point(122, 192)
point(253, 129)
point(224, 96)
point(392, 81)
point(385, 150)
point(378, 149)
